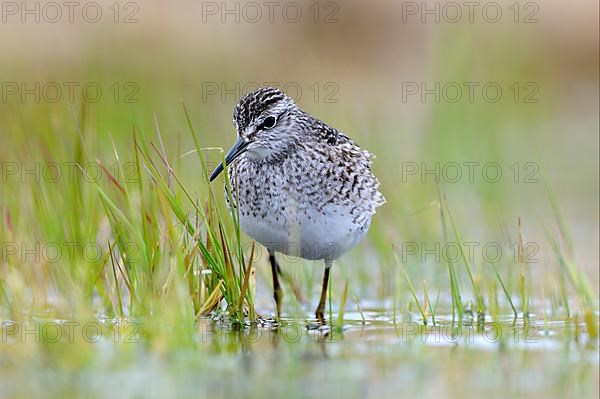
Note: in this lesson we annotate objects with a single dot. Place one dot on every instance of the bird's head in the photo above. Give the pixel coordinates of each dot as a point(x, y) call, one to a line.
point(265, 120)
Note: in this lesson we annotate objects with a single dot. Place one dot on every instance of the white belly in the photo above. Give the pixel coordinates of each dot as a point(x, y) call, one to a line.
point(307, 233)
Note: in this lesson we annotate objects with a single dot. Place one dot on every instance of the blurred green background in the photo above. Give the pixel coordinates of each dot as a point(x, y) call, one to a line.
point(352, 64)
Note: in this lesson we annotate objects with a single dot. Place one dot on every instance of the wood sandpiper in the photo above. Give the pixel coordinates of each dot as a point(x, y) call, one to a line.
point(303, 188)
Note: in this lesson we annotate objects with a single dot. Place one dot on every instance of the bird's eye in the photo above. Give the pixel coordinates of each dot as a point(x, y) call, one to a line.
point(269, 122)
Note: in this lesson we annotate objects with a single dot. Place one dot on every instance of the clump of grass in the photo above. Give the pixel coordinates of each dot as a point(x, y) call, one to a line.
point(208, 254)
point(411, 289)
point(568, 267)
point(457, 306)
point(474, 284)
point(506, 293)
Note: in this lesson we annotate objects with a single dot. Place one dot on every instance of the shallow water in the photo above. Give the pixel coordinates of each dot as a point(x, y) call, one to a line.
point(374, 357)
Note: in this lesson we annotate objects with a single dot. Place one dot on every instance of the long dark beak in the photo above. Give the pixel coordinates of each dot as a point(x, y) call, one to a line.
point(238, 149)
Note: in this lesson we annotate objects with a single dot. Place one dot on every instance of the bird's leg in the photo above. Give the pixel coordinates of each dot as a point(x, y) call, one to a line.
point(319, 313)
point(277, 293)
